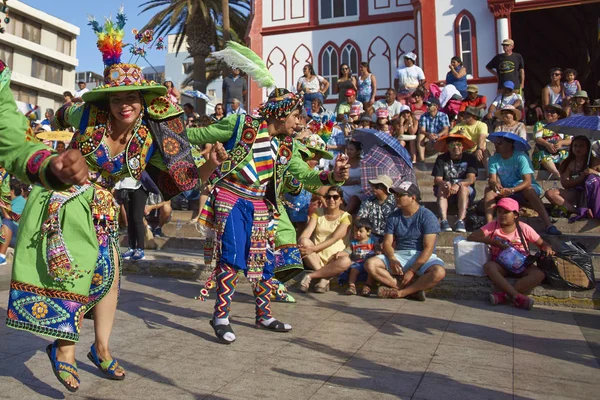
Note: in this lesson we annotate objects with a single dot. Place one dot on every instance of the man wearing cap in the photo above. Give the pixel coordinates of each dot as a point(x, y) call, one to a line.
point(390, 103)
point(409, 76)
point(432, 125)
point(82, 89)
point(507, 96)
point(414, 230)
point(472, 128)
point(454, 175)
point(508, 66)
point(379, 206)
point(474, 99)
point(500, 235)
point(351, 108)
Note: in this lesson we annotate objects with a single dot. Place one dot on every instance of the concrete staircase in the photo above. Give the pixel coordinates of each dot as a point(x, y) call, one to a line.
point(180, 253)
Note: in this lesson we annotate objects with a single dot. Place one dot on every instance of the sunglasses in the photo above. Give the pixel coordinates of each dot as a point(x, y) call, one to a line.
point(344, 69)
point(556, 74)
point(551, 112)
point(335, 197)
point(455, 144)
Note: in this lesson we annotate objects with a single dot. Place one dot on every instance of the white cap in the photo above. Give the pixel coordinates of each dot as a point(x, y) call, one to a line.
point(411, 55)
point(403, 108)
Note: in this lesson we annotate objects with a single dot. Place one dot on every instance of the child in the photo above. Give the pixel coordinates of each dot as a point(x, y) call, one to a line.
point(361, 248)
point(502, 234)
point(382, 119)
point(571, 85)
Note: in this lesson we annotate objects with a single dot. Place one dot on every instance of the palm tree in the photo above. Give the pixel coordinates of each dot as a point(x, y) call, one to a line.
point(198, 21)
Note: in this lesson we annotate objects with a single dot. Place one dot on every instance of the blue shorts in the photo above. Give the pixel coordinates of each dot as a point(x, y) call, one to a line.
point(408, 257)
point(192, 195)
point(359, 265)
point(14, 228)
point(454, 198)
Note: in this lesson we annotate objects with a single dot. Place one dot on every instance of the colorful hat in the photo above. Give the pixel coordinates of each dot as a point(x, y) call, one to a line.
point(118, 77)
point(281, 104)
point(355, 109)
point(315, 144)
point(441, 144)
point(382, 112)
point(350, 92)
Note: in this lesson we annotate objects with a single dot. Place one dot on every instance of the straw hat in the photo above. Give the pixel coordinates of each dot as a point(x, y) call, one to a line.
point(441, 144)
point(515, 111)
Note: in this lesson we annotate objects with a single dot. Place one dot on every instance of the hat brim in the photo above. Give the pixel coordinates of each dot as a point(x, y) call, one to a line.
point(516, 111)
point(561, 112)
point(100, 94)
point(441, 144)
point(507, 209)
point(377, 181)
point(323, 153)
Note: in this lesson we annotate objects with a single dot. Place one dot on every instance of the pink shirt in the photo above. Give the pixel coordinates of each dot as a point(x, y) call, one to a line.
point(494, 230)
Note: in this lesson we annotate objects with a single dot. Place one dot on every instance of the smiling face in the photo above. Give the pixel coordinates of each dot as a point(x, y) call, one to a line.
point(333, 200)
point(125, 107)
point(455, 148)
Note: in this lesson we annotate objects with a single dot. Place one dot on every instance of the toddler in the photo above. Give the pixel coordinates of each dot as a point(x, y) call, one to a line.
point(361, 248)
point(571, 85)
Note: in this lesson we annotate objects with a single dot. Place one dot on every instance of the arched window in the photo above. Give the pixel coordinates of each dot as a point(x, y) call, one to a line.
point(465, 40)
point(329, 67)
point(350, 56)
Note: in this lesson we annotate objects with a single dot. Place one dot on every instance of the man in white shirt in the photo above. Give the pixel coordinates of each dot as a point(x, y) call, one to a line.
point(409, 76)
point(82, 90)
point(236, 108)
point(390, 102)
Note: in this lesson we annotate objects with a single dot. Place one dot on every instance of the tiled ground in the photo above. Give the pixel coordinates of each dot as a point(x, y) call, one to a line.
point(340, 348)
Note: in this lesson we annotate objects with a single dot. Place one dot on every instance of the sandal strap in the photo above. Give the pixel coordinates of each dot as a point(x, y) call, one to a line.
point(275, 325)
point(109, 366)
point(63, 367)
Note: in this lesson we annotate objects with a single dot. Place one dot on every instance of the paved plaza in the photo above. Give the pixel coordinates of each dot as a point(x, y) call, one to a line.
point(340, 348)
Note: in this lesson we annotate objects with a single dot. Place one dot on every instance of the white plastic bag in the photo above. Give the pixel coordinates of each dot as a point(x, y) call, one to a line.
point(469, 257)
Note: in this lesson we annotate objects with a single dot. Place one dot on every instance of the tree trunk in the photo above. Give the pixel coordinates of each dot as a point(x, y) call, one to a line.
point(200, 81)
point(226, 27)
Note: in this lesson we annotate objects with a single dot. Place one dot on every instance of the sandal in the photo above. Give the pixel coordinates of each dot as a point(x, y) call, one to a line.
point(107, 367)
point(351, 291)
point(62, 370)
point(385, 292)
point(366, 291)
point(221, 330)
point(305, 283)
point(322, 289)
point(275, 325)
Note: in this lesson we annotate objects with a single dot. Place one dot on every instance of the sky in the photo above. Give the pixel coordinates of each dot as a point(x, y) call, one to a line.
point(76, 12)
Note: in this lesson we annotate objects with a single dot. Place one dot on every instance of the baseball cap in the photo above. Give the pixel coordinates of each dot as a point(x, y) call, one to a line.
point(408, 188)
point(433, 100)
point(473, 88)
point(509, 42)
point(382, 112)
point(350, 92)
point(411, 55)
point(509, 85)
point(404, 108)
point(384, 180)
point(508, 204)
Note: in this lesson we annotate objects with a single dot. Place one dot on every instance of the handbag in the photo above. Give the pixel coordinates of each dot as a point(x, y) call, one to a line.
point(469, 257)
point(512, 259)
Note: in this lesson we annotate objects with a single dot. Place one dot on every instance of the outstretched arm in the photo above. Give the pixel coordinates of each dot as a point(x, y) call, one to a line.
point(222, 131)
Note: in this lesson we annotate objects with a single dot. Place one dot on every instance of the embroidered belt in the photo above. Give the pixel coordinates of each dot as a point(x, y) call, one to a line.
point(244, 190)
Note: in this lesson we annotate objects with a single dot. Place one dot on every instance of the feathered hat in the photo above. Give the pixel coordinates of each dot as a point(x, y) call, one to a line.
point(118, 77)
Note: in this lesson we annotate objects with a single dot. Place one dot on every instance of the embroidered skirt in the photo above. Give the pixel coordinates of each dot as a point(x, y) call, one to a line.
point(64, 260)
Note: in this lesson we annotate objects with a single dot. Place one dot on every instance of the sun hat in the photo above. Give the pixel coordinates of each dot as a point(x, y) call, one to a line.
point(581, 93)
point(119, 77)
point(317, 145)
point(474, 111)
point(441, 144)
point(384, 180)
point(411, 56)
point(555, 107)
point(508, 204)
point(472, 88)
point(515, 111)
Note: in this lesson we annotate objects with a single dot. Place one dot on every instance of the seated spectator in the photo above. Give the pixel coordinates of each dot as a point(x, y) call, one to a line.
point(158, 213)
point(509, 121)
point(350, 110)
point(551, 148)
point(219, 113)
point(574, 171)
point(578, 103)
point(454, 175)
point(189, 114)
point(553, 92)
point(10, 219)
point(413, 229)
point(418, 106)
point(377, 208)
point(406, 125)
point(474, 99)
point(390, 103)
point(365, 121)
point(571, 86)
point(457, 76)
point(501, 234)
point(316, 109)
point(352, 189)
point(360, 249)
point(236, 108)
point(511, 175)
point(382, 120)
point(475, 130)
point(507, 97)
point(432, 125)
point(323, 242)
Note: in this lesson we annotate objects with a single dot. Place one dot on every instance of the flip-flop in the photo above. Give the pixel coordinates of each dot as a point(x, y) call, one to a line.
point(275, 326)
point(221, 330)
point(107, 367)
point(60, 367)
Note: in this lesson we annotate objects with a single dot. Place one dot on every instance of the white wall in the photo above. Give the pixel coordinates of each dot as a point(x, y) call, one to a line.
point(285, 12)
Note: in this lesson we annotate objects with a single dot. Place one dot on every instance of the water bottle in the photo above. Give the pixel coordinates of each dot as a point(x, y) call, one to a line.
point(178, 226)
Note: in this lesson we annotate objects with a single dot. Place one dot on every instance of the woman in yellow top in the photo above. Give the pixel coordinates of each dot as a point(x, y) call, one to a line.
point(324, 237)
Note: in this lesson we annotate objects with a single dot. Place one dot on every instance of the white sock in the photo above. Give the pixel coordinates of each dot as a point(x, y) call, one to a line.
point(267, 322)
point(2, 255)
point(230, 337)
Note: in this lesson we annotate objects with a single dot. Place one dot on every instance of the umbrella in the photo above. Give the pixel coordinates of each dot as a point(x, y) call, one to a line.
point(370, 138)
point(586, 125)
point(380, 161)
point(61, 136)
point(520, 143)
point(197, 94)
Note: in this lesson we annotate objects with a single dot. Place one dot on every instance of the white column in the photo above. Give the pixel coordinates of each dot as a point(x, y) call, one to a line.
point(503, 32)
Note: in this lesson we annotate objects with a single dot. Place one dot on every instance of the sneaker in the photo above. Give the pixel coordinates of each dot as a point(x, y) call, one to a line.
point(2, 260)
point(158, 232)
point(522, 301)
point(498, 298)
point(445, 226)
point(128, 254)
point(553, 230)
point(460, 226)
point(139, 255)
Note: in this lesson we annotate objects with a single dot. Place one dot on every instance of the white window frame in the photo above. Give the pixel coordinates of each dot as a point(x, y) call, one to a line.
point(333, 68)
point(336, 20)
point(460, 42)
point(346, 50)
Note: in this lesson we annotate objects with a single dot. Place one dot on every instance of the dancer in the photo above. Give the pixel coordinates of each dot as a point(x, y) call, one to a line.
point(242, 205)
point(69, 262)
